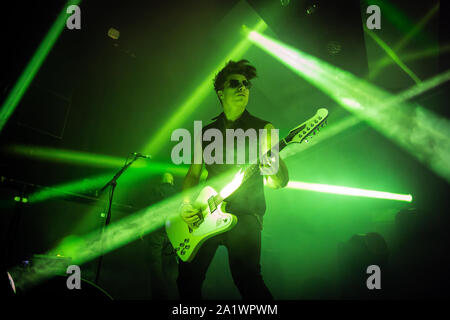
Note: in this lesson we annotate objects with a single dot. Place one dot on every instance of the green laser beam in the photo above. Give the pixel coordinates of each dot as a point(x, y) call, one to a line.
point(82, 249)
point(393, 56)
point(68, 156)
point(415, 29)
point(33, 66)
point(139, 169)
point(199, 94)
point(326, 188)
point(420, 132)
point(350, 121)
point(417, 55)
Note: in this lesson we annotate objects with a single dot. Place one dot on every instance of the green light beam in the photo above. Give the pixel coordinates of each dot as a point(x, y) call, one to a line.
point(140, 169)
point(414, 30)
point(356, 192)
point(88, 185)
point(335, 128)
point(70, 188)
point(393, 56)
point(33, 66)
point(417, 27)
point(413, 56)
point(199, 94)
point(68, 156)
point(417, 130)
point(82, 249)
point(89, 159)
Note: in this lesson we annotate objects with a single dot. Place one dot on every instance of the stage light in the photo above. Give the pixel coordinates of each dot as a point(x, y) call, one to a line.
point(311, 8)
point(20, 199)
point(113, 33)
point(356, 192)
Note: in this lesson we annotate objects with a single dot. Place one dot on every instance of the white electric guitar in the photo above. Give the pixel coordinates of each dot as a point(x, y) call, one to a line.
point(187, 239)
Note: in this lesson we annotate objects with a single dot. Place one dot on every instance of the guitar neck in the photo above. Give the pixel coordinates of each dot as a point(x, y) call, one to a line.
point(303, 132)
point(252, 169)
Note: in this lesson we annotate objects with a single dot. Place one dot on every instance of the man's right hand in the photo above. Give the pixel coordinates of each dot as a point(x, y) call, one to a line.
point(189, 214)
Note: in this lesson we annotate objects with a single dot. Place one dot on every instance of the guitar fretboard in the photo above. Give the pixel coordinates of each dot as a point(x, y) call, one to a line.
point(252, 169)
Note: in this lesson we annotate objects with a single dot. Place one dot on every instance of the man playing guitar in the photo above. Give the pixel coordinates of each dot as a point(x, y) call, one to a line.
point(243, 241)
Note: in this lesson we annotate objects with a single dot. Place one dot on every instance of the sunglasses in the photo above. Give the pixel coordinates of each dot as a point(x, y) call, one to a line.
point(236, 84)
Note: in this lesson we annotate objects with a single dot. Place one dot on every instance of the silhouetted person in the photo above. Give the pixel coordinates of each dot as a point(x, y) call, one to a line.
point(355, 256)
point(163, 261)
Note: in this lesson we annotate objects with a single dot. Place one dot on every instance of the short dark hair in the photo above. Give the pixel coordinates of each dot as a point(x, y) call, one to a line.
point(232, 67)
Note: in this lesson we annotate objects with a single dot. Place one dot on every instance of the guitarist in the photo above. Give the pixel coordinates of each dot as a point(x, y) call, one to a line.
point(243, 242)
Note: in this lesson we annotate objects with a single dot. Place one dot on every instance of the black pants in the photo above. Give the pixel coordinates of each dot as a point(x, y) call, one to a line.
point(163, 266)
point(243, 243)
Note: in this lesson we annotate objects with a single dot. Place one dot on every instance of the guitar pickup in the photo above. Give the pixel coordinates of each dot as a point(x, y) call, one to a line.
point(212, 204)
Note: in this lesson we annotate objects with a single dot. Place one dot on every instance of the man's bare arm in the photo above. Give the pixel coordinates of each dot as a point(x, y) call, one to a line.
point(192, 177)
point(281, 178)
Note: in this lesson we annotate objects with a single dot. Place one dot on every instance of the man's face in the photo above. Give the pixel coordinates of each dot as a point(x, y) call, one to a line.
point(235, 93)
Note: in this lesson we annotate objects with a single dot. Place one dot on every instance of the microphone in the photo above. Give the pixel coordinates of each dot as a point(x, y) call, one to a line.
point(140, 155)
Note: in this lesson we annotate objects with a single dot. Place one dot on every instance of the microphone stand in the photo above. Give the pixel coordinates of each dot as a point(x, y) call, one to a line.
point(113, 184)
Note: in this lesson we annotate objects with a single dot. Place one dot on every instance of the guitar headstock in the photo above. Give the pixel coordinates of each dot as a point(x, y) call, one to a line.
point(309, 128)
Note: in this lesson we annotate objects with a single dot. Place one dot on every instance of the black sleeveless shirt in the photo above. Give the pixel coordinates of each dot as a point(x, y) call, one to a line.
point(249, 198)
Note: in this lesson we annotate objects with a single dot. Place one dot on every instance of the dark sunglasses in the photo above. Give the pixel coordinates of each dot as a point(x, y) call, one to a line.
point(236, 83)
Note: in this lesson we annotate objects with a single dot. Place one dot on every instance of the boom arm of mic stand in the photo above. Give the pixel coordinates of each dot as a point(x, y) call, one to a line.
point(117, 175)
